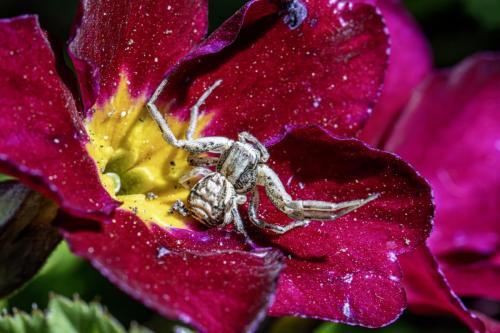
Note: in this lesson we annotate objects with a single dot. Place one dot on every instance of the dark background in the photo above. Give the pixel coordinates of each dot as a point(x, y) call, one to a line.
point(455, 30)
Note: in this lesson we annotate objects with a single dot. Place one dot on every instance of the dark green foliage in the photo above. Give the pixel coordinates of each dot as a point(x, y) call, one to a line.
point(486, 12)
point(65, 316)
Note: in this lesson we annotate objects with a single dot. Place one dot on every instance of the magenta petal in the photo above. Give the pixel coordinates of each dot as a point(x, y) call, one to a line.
point(451, 133)
point(492, 325)
point(346, 270)
point(201, 278)
point(410, 62)
point(326, 70)
point(473, 276)
point(141, 39)
point(41, 139)
point(428, 291)
point(317, 290)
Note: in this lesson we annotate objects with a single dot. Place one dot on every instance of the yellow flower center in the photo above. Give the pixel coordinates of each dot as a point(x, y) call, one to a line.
point(136, 165)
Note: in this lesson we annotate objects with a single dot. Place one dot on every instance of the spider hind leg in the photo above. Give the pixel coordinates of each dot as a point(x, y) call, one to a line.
point(301, 210)
point(321, 210)
point(279, 229)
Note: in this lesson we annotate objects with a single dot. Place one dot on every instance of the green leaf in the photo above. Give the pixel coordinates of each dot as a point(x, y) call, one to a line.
point(399, 326)
point(65, 316)
point(4, 178)
point(293, 324)
point(21, 322)
point(75, 316)
point(328, 328)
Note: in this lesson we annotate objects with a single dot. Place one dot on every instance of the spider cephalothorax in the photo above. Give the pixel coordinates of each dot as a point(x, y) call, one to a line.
point(239, 168)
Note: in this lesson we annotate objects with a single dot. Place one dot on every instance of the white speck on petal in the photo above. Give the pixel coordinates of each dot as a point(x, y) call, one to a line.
point(162, 252)
point(347, 278)
point(346, 310)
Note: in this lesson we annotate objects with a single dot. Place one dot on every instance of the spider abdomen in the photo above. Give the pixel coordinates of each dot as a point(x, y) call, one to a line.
point(210, 198)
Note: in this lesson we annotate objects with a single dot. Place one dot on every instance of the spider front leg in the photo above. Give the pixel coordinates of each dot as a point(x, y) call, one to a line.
point(304, 209)
point(166, 131)
point(253, 214)
point(195, 110)
point(195, 146)
point(202, 161)
point(247, 137)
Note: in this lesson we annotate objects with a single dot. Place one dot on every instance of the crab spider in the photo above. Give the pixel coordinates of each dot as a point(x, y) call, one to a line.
point(240, 168)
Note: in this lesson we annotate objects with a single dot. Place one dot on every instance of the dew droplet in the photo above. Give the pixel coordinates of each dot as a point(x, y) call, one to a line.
point(162, 252)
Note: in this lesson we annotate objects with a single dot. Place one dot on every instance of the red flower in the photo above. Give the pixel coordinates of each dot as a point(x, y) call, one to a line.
point(296, 75)
point(448, 131)
point(453, 114)
point(410, 62)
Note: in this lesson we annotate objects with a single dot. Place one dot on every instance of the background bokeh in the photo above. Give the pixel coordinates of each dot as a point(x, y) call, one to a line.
point(454, 28)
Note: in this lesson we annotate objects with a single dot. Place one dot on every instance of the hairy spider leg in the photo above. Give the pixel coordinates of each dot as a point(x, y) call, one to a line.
point(238, 222)
point(167, 133)
point(304, 209)
point(253, 214)
point(202, 161)
point(195, 110)
point(247, 137)
point(193, 146)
